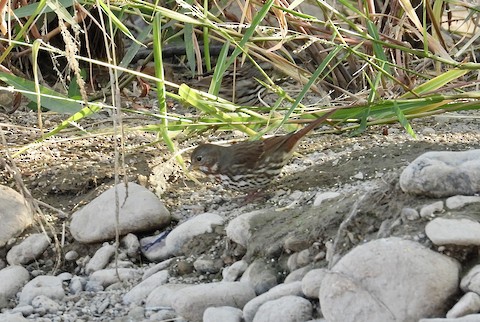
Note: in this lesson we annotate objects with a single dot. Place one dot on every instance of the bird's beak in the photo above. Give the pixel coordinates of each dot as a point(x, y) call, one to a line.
point(192, 167)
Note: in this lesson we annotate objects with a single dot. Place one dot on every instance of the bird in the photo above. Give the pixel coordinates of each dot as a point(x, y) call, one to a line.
point(249, 166)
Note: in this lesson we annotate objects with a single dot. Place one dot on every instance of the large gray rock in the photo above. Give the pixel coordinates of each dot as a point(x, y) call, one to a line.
point(443, 174)
point(389, 280)
point(49, 286)
point(96, 221)
point(192, 301)
point(14, 213)
point(12, 280)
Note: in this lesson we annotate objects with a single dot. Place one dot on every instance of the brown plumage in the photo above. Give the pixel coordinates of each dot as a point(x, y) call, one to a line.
point(249, 165)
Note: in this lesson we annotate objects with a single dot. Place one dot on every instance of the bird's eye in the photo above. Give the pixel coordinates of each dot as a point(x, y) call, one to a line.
point(199, 158)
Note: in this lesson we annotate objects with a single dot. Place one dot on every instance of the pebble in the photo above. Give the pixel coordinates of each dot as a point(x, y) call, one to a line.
point(208, 266)
point(251, 308)
point(238, 229)
point(108, 276)
point(298, 274)
point(222, 314)
point(409, 214)
point(260, 275)
point(453, 231)
point(192, 301)
point(234, 271)
point(458, 202)
point(100, 259)
point(468, 304)
point(285, 309)
point(131, 244)
point(162, 296)
point(312, 281)
point(431, 209)
point(42, 304)
point(471, 281)
point(28, 250)
point(140, 292)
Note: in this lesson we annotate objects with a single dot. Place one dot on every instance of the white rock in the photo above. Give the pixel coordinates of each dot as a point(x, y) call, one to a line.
point(77, 284)
point(157, 268)
point(14, 213)
point(108, 276)
point(191, 302)
point(162, 295)
point(96, 221)
point(466, 318)
point(207, 265)
point(471, 281)
point(409, 214)
point(359, 176)
point(251, 308)
point(141, 291)
point(28, 250)
point(183, 233)
point(12, 280)
point(71, 256)
point(100, 259)
point(431, 209)
point(49, 286)
point(445, 231)
point(238, 229)
point(285, 309)
point(443, 174)
point(468, 304)
point(297, 275)
point(222, 314)
point(311, 282)
point(234, 271)
point(45, 304)
point(388, 280)
point(17, 317)
point(457, 202)
point(260, 275)
point(322, 196)
point(132, 245)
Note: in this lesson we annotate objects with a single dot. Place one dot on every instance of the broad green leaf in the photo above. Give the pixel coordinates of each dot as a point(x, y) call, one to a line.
point(49, 99)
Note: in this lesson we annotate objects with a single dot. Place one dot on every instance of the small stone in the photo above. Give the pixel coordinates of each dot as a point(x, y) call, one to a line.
point(29, 249)
point(13, 278)
point(260, 275)
point(285, 309)
point(312, 281)
point(45, 304)
point(71, 256)
point(471, 281)
point(100, 259)
point(410, 214)
point(359, 176)
point(234, 271)
point(49, 286)
point(457, 202)
point(322, 196)
point(141, 291)
point(428, 131)
point(208, 266)
point(132, 245)
point(222, 314)
point(468, 304)
point(431, 209)
point(444, 231)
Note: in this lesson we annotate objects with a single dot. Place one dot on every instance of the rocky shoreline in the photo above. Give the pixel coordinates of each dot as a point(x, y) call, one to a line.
point(396, 243)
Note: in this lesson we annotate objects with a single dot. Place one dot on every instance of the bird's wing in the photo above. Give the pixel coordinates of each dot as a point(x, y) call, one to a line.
point(244, 154)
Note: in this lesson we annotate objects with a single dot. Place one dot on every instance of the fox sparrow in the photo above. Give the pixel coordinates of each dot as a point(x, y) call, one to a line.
point(249, 165)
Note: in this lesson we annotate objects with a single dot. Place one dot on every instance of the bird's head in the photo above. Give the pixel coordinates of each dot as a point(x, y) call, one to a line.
point(205, 158)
